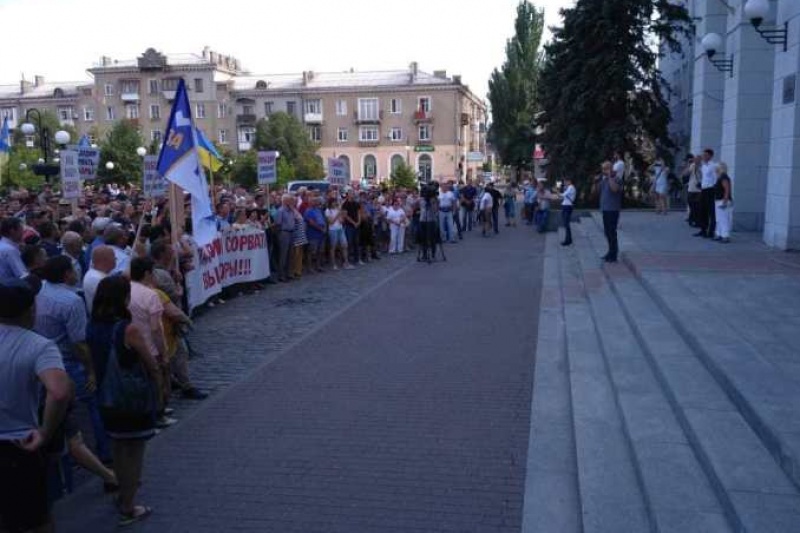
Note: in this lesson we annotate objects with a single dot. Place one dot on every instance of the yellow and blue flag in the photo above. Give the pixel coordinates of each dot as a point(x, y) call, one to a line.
point(5, 139)
point(179, 163)
point(209, 156)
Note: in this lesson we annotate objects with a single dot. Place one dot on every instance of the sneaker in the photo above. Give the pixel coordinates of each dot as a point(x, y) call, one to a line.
point(348, 266)
point(165, 422)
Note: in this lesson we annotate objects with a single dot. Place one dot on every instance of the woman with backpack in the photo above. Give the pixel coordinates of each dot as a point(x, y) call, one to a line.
point(128, 386)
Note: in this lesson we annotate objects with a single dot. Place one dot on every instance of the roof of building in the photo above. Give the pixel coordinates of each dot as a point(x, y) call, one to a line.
point(329, 80)
point(43, 90)
point(172, 59)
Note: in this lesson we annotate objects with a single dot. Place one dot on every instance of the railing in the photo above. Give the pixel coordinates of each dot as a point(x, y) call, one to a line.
point(367, 120)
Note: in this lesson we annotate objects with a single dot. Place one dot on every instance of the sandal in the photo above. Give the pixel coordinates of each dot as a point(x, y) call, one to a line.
point(139, 513)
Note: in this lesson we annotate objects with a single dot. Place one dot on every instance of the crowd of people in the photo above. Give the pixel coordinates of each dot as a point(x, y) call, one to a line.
point(709, 196)
point(94, 311)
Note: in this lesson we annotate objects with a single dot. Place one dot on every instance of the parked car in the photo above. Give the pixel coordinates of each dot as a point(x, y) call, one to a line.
point(321, 186)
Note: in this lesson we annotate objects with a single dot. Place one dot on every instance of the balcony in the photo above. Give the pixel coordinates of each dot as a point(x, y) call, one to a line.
point(422, 117)
point(368, 144)
point(169, 95)
point(312, 118)
point(130, 97)
point(244, 146)
point(372, 119)
point(246, 118)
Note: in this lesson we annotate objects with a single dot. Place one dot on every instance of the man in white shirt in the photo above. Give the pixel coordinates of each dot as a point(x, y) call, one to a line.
point(103, 263)
point(485, 206)
point(619, 166)
point(447, 203)
point(115, 237)
point(567, 203)
point(708, 178)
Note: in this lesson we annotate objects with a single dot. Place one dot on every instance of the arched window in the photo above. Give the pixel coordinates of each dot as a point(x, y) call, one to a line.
point(58, 93)
point(370, 167)
point(425, 168)
point(261, 84)
point(397, 161)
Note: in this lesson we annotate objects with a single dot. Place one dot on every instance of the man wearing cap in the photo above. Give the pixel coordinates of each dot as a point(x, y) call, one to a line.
point(11, 265)
point(28, 362)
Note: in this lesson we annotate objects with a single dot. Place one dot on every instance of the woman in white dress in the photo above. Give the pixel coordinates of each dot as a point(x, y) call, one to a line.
point(396, 216)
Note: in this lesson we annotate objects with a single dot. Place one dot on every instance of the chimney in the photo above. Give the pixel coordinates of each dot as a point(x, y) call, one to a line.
point(457, 80)
point(212, 56)
point(305, 78)
point(206, 50)
point(105, 61)
point(38, 81)
point(414, 68)
point(24, 85)
point(440, 73)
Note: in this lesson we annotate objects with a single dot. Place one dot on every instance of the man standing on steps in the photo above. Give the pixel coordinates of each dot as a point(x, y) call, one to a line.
point(708, 173)
point(610, 185)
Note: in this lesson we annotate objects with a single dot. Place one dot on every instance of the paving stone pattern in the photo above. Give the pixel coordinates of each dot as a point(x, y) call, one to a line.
point(405, 411)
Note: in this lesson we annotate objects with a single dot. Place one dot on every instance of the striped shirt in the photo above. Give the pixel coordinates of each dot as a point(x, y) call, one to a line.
point(61, 317)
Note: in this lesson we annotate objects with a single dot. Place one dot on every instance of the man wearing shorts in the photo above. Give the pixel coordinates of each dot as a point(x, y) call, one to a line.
point(27, 362)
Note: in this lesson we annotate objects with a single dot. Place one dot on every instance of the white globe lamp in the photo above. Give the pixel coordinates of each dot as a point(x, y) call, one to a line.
point(756, 11)
point(62, 137)
point(711, 43)
point(141, 151)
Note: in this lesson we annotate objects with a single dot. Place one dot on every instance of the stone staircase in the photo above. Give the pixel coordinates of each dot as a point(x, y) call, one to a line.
point(650, 413)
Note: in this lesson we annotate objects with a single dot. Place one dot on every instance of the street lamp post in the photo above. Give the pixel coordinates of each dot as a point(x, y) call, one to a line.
point(44, 167)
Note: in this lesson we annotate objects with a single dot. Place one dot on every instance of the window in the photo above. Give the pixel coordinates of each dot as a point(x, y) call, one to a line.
point(315, 132)
point(248, 109)
point(397, 161)
point(425, 168)
point(368, 134)
point(222, 110)
point(341, 107)
point(223, 137)
point(314, 106)
point(396, 134)
point(155, 111)
point(291, 108)
point(109, 89)
point(424, 104)
point(200, 110)
point(153, 86)
point(130, 87)
point(169, 84)
point(110, 115)
point(132, 111)
point(155, 136)
point(424, 132)
point(370, 166)
point(395, 106)
point(268, 108)
point(88, 114)
point(64, 113)
point(247, 134)
point(341, 135)
point(86, 92)
point(367, 109)
point(8, 113)
point(198, 85)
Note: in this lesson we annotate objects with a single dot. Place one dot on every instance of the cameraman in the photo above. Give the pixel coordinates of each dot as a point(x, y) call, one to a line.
point(427, 236)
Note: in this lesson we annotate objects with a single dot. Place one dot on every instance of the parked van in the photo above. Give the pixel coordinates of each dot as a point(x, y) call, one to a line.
point(321, 186)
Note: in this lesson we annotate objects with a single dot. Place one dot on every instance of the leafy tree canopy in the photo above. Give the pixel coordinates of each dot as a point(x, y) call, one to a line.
point(119, 147)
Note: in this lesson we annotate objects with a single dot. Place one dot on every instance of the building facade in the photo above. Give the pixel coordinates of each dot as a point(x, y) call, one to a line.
point(743, 104)
point(373, 120)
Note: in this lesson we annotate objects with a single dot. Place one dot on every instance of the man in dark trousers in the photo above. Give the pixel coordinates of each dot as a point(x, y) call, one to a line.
point(708, 179)
point(497, 199)
point(611, 186)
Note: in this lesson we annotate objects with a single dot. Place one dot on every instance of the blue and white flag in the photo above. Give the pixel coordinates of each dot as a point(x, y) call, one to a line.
point(5, 140)
point(180, 164)
point(84, 141)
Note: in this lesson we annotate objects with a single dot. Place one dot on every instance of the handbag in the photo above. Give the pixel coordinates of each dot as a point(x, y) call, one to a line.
point(126, 391)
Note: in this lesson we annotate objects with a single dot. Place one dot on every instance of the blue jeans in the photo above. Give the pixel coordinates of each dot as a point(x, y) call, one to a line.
point(446, 226)
point(467, 218)
point(353, 248)
point(542, 216)
point(78, 375)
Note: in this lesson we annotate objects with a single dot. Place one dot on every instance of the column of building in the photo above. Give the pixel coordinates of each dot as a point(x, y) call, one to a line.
point(709, 83)
point(782, 223)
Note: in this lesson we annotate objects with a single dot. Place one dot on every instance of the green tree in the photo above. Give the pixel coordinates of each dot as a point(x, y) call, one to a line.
point(245, 169)
point(513, 90)
point(286, 134)
point(404, 176)
point(286, 171)
point(600, 87)
point(119, 147)
point(18, 167)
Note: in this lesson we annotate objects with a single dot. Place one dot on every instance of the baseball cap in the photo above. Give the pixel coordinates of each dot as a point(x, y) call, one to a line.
point(16, 297)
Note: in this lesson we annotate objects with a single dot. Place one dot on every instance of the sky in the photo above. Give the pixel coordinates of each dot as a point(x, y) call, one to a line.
point(62, 38)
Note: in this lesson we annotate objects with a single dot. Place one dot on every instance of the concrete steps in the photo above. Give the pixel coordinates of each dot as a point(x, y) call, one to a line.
point(703, 455)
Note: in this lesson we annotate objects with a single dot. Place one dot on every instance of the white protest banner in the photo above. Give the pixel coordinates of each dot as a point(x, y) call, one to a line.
point(70, 175)
point(154, 185)
point(267, 168)
point(337, 171)
point(88, 160)
point(235, 256)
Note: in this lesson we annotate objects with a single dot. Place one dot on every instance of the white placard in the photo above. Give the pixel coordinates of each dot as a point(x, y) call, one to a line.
point(337, 171)
point(70, 175)
point(154, 185)
point(267, 168)
point(88, 160)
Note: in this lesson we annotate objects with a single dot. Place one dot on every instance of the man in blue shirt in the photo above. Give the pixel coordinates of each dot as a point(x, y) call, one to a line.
point(11, 265)
point(315, 231)
point(610, 184)
point(467, 202)
point(29, 362)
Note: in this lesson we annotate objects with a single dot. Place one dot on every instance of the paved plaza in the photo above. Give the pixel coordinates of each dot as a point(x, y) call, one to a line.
point(521, 386)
